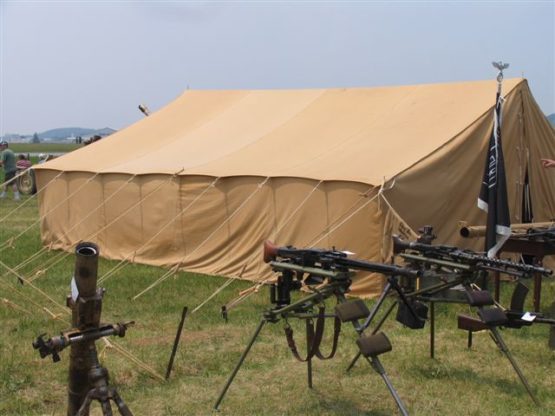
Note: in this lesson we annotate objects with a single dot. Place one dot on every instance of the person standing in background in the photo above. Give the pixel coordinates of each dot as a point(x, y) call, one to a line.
point(7, 161)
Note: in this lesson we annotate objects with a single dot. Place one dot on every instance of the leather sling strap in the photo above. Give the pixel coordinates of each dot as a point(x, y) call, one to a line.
point(314, 338)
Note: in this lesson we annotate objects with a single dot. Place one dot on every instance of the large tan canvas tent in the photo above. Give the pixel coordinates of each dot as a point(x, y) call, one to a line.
point(201, 183)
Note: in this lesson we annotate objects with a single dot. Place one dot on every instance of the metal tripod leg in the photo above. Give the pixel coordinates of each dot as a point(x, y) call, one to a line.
point(103, 397)
point(357, 356)
point(391, 285)
point(106, 408)
point(94, 394)
point(505, 350)
point(432, 329)
point(309, 372)
point(84, 409)
point(122, 407)
point(377, 306)
point(377, 365)
point(238, 366)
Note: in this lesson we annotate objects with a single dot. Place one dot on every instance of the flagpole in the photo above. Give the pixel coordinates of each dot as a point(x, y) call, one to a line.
point(503, 223)
point(493, 191)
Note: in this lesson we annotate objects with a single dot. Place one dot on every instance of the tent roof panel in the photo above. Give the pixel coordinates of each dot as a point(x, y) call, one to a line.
point(358, 134)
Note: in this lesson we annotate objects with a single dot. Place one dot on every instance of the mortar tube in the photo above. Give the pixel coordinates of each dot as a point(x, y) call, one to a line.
point(85, 275)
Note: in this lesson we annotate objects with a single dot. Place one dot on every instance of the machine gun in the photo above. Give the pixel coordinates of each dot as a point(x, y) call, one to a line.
point(461, 260)
point(464, 266)
point(88, 380)
point(323, 273)
point(331, 260)
point(533, 241)
point(313, 266)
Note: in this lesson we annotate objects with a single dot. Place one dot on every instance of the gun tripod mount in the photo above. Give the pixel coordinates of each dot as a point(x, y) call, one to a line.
point(88, 380)
point(329, 271)
point(284, 310)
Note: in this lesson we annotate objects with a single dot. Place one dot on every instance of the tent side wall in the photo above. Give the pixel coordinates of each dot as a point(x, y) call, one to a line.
point(206, 225)
point(443, 189)
point(539, 137)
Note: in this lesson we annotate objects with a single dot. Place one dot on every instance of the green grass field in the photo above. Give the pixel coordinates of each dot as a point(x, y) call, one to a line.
point(459, 381)
point(44, 147)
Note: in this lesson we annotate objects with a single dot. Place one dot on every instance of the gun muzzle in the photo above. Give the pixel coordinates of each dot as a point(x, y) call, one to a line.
point(86, 268)
point(399, 245)
point(473, 231)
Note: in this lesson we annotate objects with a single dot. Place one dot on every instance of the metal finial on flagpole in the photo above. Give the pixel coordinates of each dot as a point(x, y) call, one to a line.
point(500, 66)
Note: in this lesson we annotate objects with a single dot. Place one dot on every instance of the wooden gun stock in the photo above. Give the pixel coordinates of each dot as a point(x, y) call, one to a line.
point(270, 251)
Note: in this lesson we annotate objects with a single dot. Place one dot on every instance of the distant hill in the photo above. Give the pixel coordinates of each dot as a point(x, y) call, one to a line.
point(106, 131)
point(551, 119)
point(65, 132)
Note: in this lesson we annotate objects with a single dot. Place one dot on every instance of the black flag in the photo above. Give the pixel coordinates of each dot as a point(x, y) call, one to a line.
point(493, 193)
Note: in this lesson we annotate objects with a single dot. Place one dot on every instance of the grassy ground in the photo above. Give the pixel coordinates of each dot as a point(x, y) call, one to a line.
point(44, 147)
point(458, 381)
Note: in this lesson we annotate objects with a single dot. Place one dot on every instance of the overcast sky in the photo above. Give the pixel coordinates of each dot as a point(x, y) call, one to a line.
point(90, 63)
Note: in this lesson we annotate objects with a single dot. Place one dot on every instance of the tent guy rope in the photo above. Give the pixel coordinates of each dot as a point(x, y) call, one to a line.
point(122, 263)
point(172, 271)
point(32, 198)
point(256, 253)
point(63, 255)
point(254, 289)
point(39, 270)
point(42, 217)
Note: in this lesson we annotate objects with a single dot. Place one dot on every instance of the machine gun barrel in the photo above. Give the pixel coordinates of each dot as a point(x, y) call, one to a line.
point(505, 266)
point(387, 269)
point(277, 265)
point(433, 260)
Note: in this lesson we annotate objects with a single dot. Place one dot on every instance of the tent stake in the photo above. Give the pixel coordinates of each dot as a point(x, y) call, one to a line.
point(176, 341)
